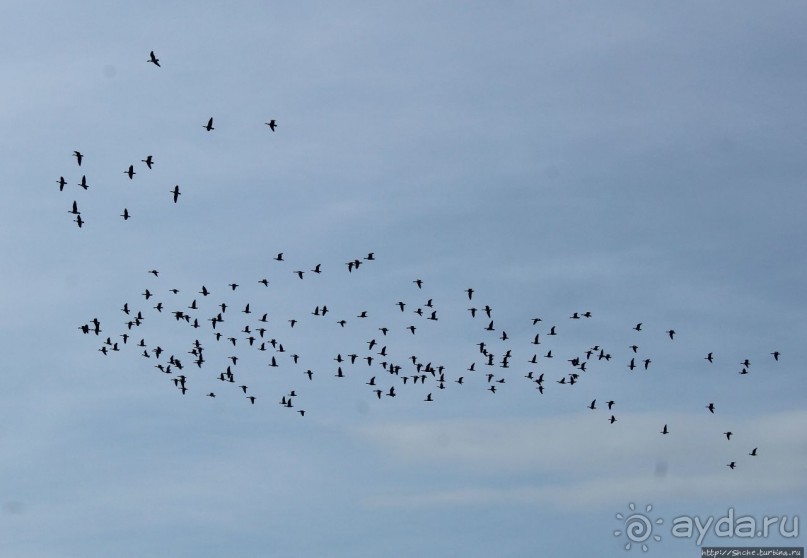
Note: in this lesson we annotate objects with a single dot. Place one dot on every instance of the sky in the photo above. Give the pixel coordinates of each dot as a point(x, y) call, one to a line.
point(641, 162)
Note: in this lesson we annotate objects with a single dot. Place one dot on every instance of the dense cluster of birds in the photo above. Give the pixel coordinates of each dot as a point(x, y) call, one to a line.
point(129, 171)
point(228, 332)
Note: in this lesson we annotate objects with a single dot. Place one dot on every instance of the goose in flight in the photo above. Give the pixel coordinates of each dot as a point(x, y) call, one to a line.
point(78, 157)
point(125, 214)
point(209, 125)
point(176, 193)
point(74, 210)
point(272, 125)
point(61, 182)
point(148, 160)
point(153, 59)
point(130, 171)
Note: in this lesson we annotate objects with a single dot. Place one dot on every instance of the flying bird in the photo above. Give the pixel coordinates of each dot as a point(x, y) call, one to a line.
point(125, 214)
point(209, 125)
point(176, 193)
point(78, 157)
point(130, 171)
point(61, 182)
point(148, 160)
point(153, 59)
point(272, 125)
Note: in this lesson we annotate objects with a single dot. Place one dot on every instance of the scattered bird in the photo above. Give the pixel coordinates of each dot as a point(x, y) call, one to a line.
point(176, 193)
point(148, 160)
point(272, 125)
point(79, 157)
point(130, 171)
point(209, 125)
point(153, 59)
point(61, 182)
point(125, 214)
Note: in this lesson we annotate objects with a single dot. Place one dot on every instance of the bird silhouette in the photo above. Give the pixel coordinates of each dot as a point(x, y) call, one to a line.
point(148, 160)
point(130, 171)
point(125, 214)
point(272, 125)
point(209, 125)
point(153, 59)
point(176, 193)
point(79, 157)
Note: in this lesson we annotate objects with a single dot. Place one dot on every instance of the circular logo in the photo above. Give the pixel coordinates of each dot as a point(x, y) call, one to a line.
point(637, 527)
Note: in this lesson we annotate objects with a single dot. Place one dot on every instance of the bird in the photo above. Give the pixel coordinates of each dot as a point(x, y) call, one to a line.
point(638, 327)
point(711, 407)
point(61, 182)
point(671, 333)
point(148, 160)
point(776, 355)
point(83, 182)
point(279, 257)
point(272, 125)
point(709, 357)
point(78, 157)
point(176, 193)
point(153, 59)
point(664, 430)
point(728, 435)
point(125, 214)
point(732, 465)
point(74, 210)
point(79, 221)
point(130, 171)
point(209, 125)
point(753, 452)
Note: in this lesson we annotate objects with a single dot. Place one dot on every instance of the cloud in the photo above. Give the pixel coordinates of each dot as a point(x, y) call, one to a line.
point(574, 461)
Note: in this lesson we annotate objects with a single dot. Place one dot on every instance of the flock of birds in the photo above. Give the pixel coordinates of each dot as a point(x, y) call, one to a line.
point(226, 333)
point(130, 170)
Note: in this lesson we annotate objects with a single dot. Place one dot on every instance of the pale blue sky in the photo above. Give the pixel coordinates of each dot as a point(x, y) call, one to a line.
point(642, 162)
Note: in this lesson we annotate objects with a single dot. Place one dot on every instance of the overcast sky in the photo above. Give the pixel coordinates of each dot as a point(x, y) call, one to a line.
point(640, 161)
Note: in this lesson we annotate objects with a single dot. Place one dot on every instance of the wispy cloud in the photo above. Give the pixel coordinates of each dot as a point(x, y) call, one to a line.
point(576, 462)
